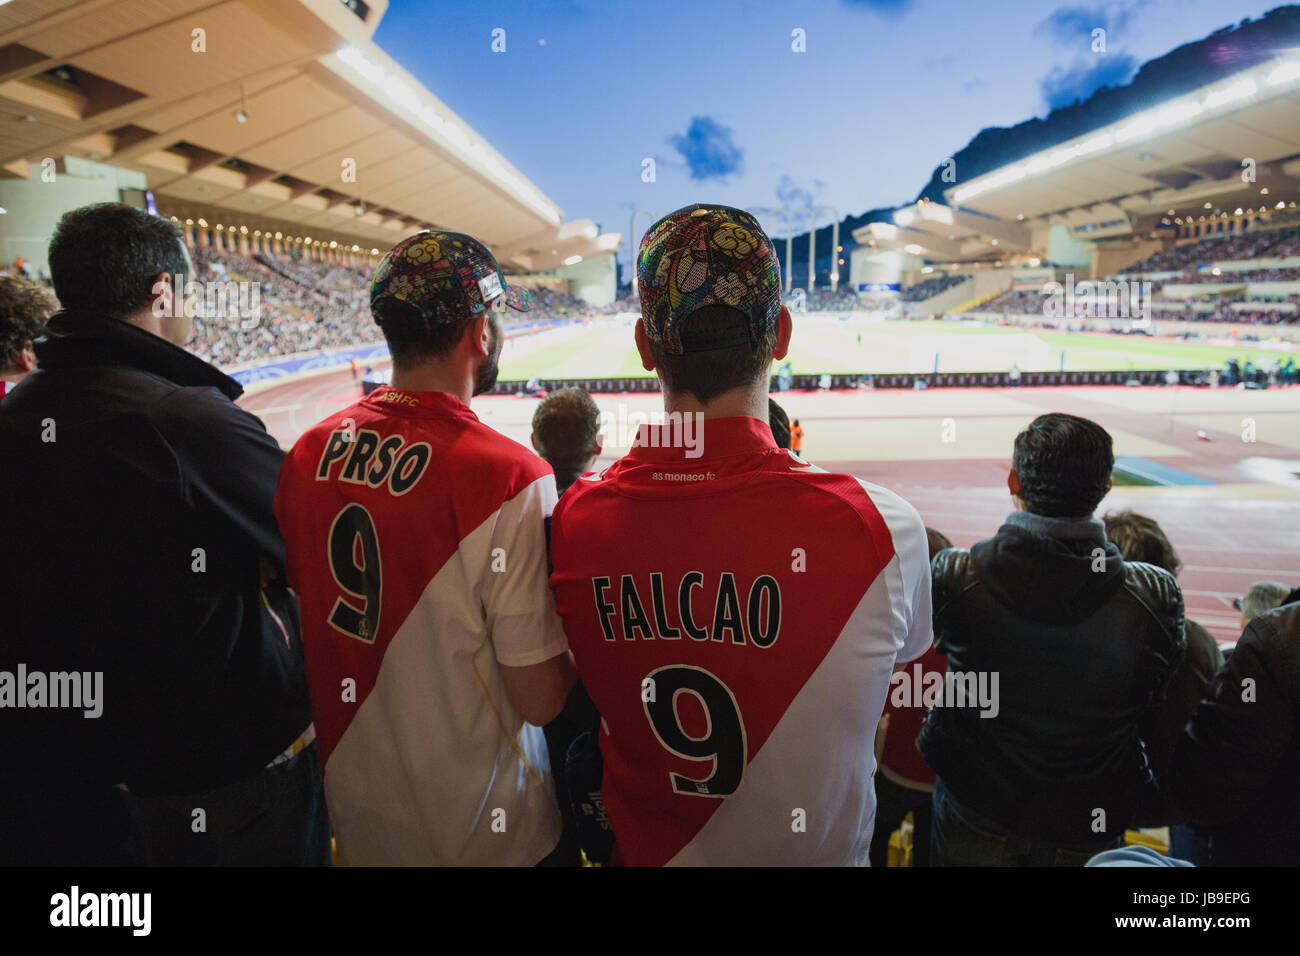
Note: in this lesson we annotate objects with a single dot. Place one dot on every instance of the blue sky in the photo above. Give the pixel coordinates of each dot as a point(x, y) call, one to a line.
point(712, 90)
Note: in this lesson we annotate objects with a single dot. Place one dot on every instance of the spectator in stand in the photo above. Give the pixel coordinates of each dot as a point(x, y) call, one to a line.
point(25, 307)
point(1237, 765)
point(566, 433)
point(1083, 645)
point(904, 781)
point(1140, 538)
point(779, 422)
point(701, 632)
point(154, 561)
point(1260, 597)
point(448, 627)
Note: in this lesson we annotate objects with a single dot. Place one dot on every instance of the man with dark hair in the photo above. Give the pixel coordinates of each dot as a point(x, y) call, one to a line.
point(151, 569)
point(25, 307)
point(680, 569)
point(416, 540)
point(566, 432)
point(1079, 645)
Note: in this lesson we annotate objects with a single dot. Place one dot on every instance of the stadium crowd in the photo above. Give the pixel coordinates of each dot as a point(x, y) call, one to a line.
point(929, 288)
point(1230, 247)
point(1052, 693)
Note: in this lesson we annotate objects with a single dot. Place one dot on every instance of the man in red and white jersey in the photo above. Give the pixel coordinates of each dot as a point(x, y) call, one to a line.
point(417, 545)
point(734, 612)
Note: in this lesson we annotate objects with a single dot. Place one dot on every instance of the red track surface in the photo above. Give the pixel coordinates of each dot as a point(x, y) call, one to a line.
point(1225, 542)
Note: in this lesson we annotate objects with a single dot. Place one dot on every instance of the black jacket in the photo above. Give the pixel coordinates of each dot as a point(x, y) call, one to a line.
point(1083, 646)
point(1237, 766)
point(137, 511)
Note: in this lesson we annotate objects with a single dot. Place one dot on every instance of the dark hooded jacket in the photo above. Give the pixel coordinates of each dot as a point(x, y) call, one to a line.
point(138, 504)
point(1083, 644)
point(1237, 765)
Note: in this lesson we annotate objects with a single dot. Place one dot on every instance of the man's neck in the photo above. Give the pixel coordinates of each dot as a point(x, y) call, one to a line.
point(431, 377)
point(751, 402)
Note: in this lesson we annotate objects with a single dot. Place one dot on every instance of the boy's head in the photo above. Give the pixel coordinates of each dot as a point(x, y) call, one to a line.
point(566, 430)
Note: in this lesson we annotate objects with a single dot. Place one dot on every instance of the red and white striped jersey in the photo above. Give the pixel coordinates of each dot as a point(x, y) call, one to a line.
point(416, 543)
point(736, 617)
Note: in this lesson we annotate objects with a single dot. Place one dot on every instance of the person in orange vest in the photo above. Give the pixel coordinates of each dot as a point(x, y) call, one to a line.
point(796, 438)
point(354, 369)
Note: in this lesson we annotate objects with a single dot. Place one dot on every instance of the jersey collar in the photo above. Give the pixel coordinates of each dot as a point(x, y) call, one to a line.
point(694, 439)
point(397, 401)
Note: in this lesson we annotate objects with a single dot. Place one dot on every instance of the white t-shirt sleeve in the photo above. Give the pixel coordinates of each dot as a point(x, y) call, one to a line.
point(912, 549)
point(519, 606)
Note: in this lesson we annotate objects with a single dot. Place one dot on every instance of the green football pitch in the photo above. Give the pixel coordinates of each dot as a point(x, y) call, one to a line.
point(824, 343)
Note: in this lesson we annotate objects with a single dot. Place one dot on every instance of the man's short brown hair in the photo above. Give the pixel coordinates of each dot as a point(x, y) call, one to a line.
point(1140, 538)
point(708, 374)
point(24, 308)
point(566, 425)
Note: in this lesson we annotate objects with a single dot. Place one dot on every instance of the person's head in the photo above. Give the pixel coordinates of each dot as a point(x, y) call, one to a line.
point(1061, 466)
point(1140, 538)
point(779, 422)
point(114, 261)
point(711, 314)
point(436, 296)
point(937, 540)
point(24, 307)
point(1260, 597)
point(566, 430)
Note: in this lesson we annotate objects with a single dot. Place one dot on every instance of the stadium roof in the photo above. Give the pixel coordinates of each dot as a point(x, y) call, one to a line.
point(265, 122)
point(940, 232)
point(1174, 155)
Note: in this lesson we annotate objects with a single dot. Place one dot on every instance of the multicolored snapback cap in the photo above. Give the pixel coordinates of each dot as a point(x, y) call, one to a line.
point(707, 255)
point(447, 276)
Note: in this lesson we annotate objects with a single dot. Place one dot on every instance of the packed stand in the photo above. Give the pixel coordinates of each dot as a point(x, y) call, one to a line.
point(1231, 247)
point(929, 288)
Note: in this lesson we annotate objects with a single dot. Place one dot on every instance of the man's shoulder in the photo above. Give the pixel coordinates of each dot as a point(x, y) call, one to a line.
point(1152, 582)
point(1275, 637)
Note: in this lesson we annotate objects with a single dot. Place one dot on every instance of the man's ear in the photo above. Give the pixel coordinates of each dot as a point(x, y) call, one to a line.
point(1013, 482)
point(595, 451)
point(26, 360)
point(162, 301)
point(784, 328)
point(532, 437)
point(479, 335)
point(643, 347)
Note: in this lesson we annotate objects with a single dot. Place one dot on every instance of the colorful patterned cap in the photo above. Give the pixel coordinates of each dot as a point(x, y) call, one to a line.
point(447, 276)
point(707, 255)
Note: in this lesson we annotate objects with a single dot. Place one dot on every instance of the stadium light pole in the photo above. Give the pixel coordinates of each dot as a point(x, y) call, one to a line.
point(784, 212)
point(812, 246)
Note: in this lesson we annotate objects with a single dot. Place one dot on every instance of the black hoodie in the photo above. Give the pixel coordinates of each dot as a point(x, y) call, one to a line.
point(1082, 643)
